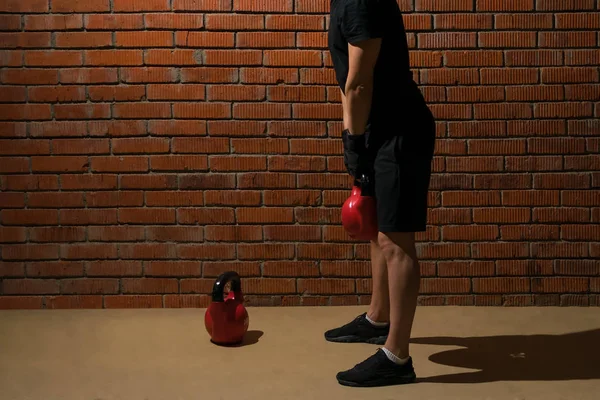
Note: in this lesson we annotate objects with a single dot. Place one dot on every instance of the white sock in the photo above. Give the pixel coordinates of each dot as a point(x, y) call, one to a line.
point(394, 357)
point(376, 323)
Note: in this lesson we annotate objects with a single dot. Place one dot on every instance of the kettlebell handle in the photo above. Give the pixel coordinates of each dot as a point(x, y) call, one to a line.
point(219, 286)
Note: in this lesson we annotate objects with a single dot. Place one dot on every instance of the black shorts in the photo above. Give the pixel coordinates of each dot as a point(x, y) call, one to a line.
point(402, 174)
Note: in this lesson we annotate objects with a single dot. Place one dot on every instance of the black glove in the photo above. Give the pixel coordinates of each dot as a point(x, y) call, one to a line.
point(356, 155)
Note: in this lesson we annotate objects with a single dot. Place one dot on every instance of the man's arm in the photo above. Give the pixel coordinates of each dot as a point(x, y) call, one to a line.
point(359, 85)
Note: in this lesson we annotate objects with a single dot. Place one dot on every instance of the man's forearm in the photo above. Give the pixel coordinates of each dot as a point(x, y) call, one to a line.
point(357, 104)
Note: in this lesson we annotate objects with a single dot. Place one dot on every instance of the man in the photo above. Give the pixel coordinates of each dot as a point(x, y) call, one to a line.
point(389, 134)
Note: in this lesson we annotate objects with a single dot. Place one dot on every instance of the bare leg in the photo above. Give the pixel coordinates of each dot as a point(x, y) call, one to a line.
point(404, 279)
point(379, 309)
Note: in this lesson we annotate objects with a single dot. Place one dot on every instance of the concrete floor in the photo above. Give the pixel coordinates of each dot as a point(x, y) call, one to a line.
point(460, 353)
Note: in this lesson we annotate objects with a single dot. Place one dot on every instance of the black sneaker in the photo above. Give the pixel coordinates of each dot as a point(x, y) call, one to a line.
point(359, 330)
point(378, 370)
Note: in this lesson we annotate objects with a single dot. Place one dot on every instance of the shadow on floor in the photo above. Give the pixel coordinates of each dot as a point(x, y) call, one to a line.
point(518, 358)
point(251, 337)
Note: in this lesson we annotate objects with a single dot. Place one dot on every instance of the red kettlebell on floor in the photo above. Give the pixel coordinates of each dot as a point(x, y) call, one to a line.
point(359, 212)
point(226, 319)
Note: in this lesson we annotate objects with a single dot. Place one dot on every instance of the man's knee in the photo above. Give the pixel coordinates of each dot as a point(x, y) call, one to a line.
point(397, 245)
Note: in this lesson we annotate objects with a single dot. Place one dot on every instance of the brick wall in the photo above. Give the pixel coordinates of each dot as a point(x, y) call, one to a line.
point(147, 145)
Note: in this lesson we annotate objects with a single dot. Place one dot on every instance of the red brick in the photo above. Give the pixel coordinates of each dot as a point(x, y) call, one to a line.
point(74, 302)
point(57, 234)
point(282, 233)
point(24, 40)
point(173, 268)
point(88, 75)
point(234, 22)
point(140, 5)
point(290, 269)
point(505, 181)
point(175, 233)
point(114, 199)
point(267, 40)
point(500, 250)
point(553, 215)
point(445, 285)
point(14, 165)
point(465, 268)
point(326, 286)
point(174, 198)
point(580, 197)
point(144, 39)
point(111, 22)
point(236, 233)
point(294, 22)
point(88, 216)
point(82, 111)
point(524, 21)
point(29, 217)
point(177, 128)
point(119, 164)
point(186, 301)
point(209, 75)
point(140, 145)
point(116, 93)
point(559, 284)
point(88, 181)
point(265, 251)
point(233, 198)
point(13, 235)
point(115, 233)
point(24, 112)
point(473, 58)
point(148, 75)
point(561, 181)
point(31, 6)
point(54, 269)
point(501, 215)
point(556, 250)
point(27, 182)
point(461, 233)
point(207, 251)
point(149, 285)
point(172, 57)
point(529, 58)
point(292, 197)
point(263, 5)
point(576, 267)
point(30, 286)
point(122, 301)
point(13, 58)
point(12, 200)
point(447, 40)
point(244, 268)
point(477, 198)
point(567, 39)
point(117, 128)
point(53, 58)
point(297, 163)
point(266, 180)
point(202, 110)
point(13, 129)
point(147, 216)
point(52, 94)
point(114, 268)
point(88, 251)
point(260, 146)
point(29, 76)
point(89, 286)
point(114, 57)
point(204, 216)
point(21, 302)
point(83, 39)
point(540, 232)
point(232, 57)
point(237, 128)
point(501, 285)
point(147, 251)
point(264, 215)
point(507, 39)
point(206, 181)
point(237, 163)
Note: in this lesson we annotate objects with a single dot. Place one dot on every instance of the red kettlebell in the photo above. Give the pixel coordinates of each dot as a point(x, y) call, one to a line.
point(359, 212)
point(226, 319)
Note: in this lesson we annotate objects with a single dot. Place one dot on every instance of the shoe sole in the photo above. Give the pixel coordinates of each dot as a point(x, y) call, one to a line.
point(404, 380)
point(358, 339)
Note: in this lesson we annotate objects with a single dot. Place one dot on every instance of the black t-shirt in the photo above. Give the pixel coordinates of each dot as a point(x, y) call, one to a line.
point(396, 97)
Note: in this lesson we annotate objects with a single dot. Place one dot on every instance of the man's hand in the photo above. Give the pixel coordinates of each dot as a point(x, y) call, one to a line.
point(358, 93)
